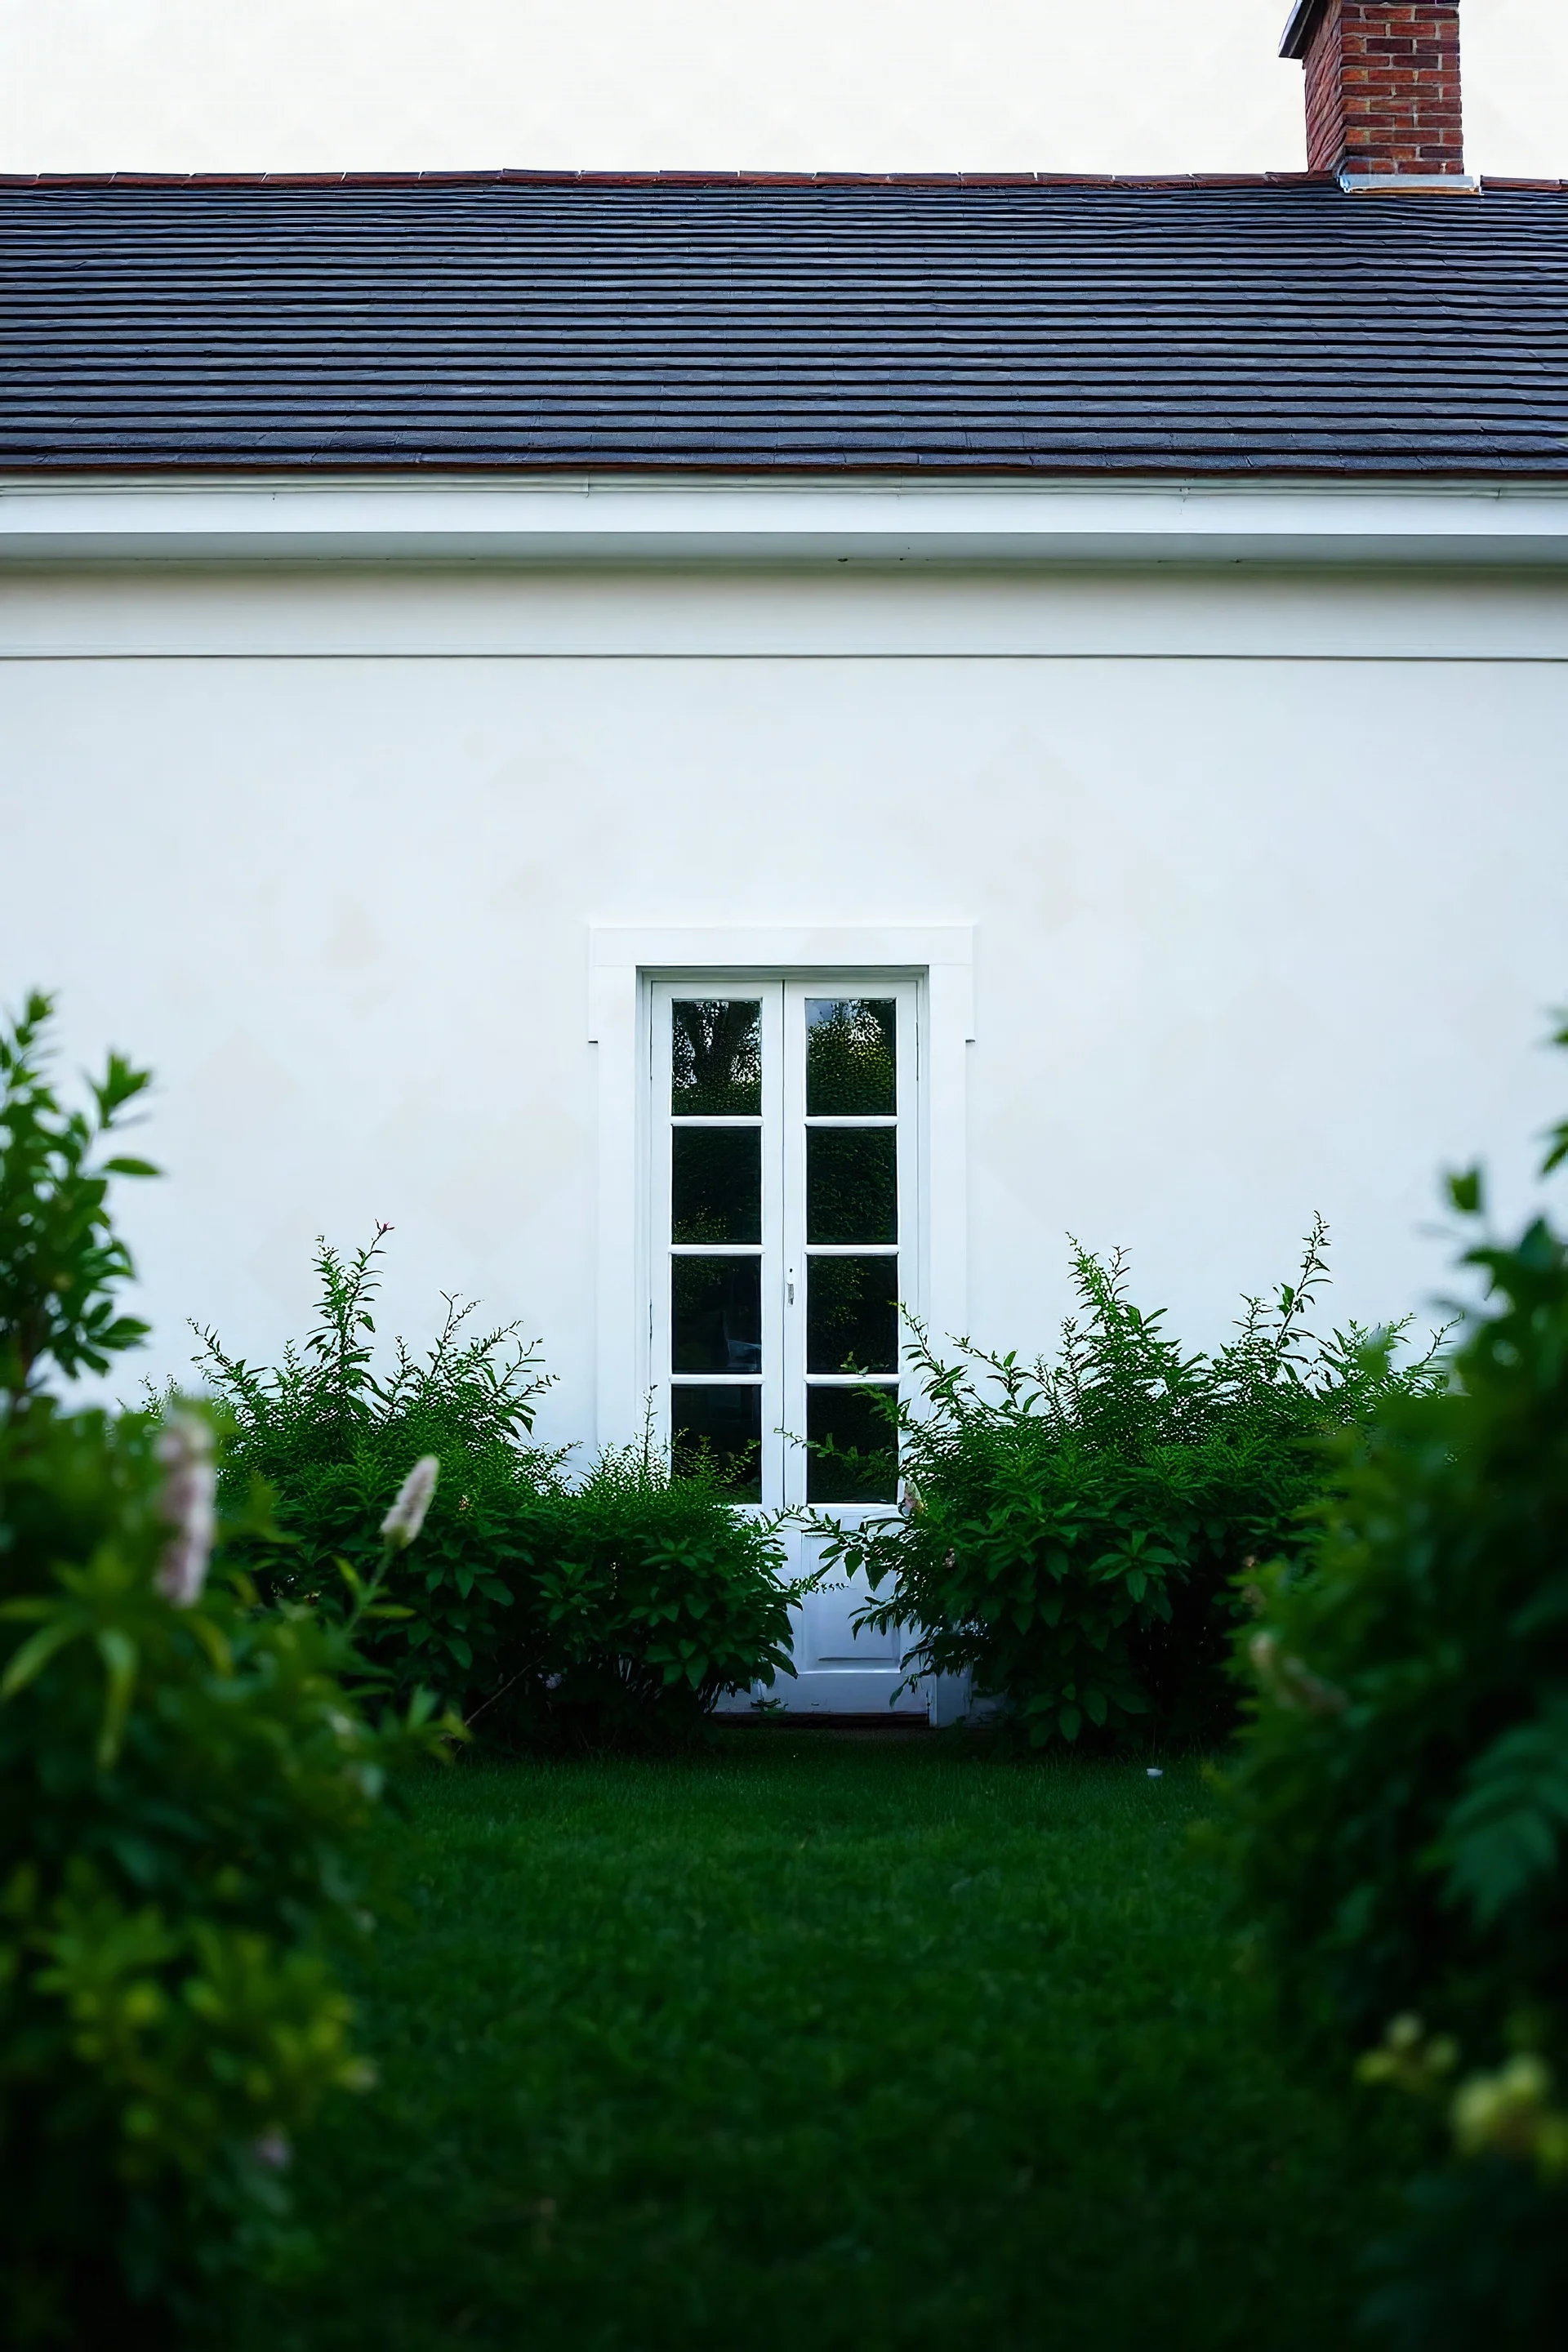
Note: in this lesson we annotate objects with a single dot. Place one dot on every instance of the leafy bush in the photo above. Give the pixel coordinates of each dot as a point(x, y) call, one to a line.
point(182, 1782)
point(642, 1598)
point(327, 1442)
point(1071, 1530)
point(60, 1260)
point(1401, 1804)
point(618, 1608)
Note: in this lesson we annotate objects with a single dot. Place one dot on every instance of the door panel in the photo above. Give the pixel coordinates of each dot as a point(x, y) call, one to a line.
point(785, 1233)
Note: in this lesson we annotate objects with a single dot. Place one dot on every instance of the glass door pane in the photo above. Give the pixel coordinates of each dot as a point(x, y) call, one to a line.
point(843, 1051)
point(786, 1231)
point(714, 1314)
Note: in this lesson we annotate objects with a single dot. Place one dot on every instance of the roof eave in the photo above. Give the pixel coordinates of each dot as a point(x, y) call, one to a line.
point(628, 524)
point(1303, 24)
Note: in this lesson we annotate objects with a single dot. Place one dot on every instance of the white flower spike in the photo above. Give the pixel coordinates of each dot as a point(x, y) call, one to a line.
point(189, 1502)
point(407, 1517)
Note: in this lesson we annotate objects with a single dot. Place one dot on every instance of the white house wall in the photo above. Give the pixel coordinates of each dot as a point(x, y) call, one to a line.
point(1267, 872)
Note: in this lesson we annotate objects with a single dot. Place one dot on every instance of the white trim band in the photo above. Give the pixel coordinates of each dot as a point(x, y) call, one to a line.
point(577, 523)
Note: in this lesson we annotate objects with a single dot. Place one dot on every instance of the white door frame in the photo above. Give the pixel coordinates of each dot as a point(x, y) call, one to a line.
point(620, 957)
point(623, 962)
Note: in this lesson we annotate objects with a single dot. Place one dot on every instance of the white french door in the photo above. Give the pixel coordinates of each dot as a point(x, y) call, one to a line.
point(785, 1233)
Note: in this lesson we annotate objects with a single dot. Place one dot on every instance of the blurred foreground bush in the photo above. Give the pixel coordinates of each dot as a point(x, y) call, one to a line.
point(183, 1780)
point(1401, 1806)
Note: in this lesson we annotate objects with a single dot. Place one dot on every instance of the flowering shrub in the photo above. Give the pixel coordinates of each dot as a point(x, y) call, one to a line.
point(614, 1608)
point(1072, 1530)
point(1400, 1809)
point(183, 1780)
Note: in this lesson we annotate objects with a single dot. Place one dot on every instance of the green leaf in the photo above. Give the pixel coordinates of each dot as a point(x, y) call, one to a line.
point(119, 1655)
point(1465, 1192)
point(1506, 1832)
point(36, 1653)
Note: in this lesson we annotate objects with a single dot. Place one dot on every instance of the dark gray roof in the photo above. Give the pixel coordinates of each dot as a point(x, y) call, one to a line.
point(745, 324)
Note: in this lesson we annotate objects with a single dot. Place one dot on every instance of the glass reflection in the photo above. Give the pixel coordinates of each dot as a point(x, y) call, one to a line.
point(851, 1184)
point(851, 1067)
point(719, 1429)
point(716, 1185)
point(859, 1462)
point(852, 1315)
point(716, 1056)
point(716, 1313)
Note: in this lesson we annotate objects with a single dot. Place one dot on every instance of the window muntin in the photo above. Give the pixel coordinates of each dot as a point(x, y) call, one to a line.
point(783, 1225)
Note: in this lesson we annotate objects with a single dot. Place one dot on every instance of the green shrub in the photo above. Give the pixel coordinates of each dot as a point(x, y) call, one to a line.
point(642, 1598)
point(182, 1778)
point(618, 1608)
point(327, 1441)
point(60, 1260)
point(1401, 1804)
point(1071, 1531)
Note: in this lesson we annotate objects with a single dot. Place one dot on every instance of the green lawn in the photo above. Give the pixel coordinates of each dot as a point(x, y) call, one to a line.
point(821, 2044)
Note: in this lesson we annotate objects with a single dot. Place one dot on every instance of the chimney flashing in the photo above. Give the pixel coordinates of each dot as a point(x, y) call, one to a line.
point(1406, 184)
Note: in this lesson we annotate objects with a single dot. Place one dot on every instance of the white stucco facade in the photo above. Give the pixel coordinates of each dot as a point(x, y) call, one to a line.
point(1228, 827)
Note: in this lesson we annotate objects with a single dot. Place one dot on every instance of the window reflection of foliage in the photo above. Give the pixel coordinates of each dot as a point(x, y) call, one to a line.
point(716, 1310)
point(717, 1184)
point(691, 1285)
point(852, 1315)
point(853, 1439)
point(716, 1056)
point(703, 1225)
point(852, 1184)
point(732, 1460)
point(850, 1060)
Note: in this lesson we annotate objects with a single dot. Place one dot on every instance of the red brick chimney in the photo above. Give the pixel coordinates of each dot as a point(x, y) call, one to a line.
point(1383, 90)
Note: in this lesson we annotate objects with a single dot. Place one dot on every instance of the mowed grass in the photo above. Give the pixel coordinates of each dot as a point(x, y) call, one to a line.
point(821, 2044)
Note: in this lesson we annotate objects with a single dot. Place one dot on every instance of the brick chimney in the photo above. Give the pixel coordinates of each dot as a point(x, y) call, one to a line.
point(1383, 90)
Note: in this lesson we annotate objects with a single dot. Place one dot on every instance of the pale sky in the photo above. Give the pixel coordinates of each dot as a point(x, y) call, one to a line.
point(870, 85)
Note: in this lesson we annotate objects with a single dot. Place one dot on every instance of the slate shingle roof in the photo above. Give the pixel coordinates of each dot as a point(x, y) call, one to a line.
point(586, 323)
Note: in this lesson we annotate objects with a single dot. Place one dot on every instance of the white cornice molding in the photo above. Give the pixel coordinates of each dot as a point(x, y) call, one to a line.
point(576, 523)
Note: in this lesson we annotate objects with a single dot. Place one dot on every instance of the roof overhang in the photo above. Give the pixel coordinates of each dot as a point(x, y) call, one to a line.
point(145, 523)
point(1303, 24)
